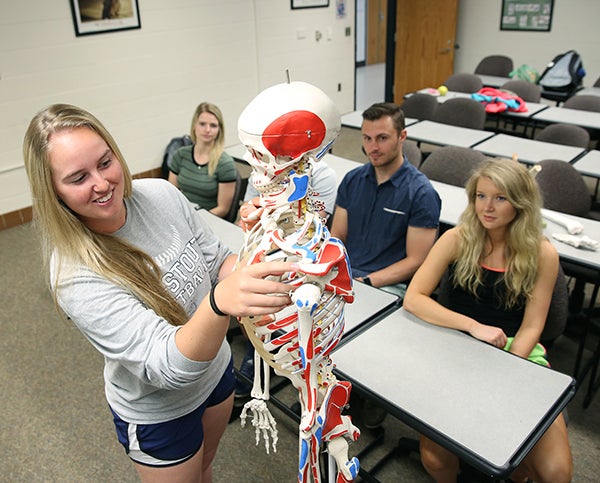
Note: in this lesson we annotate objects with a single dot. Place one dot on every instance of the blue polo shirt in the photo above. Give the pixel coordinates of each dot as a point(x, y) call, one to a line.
point(379, 215)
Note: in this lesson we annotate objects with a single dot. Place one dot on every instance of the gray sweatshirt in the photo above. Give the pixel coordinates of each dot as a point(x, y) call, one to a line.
point(147, 379)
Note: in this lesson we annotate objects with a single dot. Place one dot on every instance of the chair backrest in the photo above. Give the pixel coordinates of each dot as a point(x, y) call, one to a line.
point(238, 194)
point(499, 65)
point(412, 152)
point(597, 83)
point(527, 91)
point(452, 165)
point(583, 103)
point(563, 188)
point(558, 312)
point(463, 82)
point(566, 134)
point(419, 106)
point(461, 111)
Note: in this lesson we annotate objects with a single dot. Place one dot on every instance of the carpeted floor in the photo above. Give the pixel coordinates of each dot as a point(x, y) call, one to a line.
point(56, 426)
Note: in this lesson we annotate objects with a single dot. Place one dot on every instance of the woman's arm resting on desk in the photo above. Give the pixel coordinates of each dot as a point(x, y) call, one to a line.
point(418, 295)
point(536, 310)
point(224, 199)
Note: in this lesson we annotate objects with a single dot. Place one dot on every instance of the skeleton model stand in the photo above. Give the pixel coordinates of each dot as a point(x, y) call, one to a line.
point(287, 128)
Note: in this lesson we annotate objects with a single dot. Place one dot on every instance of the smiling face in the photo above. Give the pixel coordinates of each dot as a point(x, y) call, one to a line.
point(88, 178)
point(491, 205)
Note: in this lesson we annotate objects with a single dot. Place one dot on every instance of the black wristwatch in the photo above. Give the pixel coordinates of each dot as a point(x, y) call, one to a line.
point(367, 280)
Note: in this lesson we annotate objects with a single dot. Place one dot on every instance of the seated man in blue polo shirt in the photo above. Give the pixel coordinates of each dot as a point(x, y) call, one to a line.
point(387, 212)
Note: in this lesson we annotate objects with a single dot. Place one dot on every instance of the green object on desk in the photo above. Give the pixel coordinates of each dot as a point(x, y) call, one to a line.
point(538, 354)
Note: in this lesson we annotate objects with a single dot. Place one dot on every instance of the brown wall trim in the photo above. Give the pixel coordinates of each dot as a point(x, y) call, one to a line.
point(25, 215)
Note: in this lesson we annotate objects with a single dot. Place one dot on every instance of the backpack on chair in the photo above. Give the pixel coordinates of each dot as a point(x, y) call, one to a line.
point(174, 145)
point(564, 74)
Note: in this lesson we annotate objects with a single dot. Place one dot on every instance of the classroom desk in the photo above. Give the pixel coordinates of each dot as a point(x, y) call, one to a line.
point(354, 120)
point(454, 389)
point(581, 118)
point(454, 201)
point(589, 91)
point(493, 80)
point(369, 304)
point(237, 151)
point(340, 165)
point(529, 151)
point(445, 134)
point(589, 164)
point(445, 97)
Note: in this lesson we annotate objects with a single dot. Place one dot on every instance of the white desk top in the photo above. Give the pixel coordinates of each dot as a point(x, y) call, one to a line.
point(340, 165)
point(236, 151)
point(528, 151)
point(569, 116)
point(445, 134)
point(454, 201)
point(589, 164)
point(369, 302)
point(354, 120)
point(589, 91)
point(493, 80)
point(447, 96)
point(454, 388)
point(532, 108)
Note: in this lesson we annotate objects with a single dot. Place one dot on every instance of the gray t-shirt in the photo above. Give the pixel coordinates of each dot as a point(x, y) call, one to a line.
point(147, 379)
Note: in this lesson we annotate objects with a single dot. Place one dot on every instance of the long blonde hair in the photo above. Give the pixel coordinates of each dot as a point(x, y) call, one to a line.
point(523, 236)
point(219, 143)
point(67, 239)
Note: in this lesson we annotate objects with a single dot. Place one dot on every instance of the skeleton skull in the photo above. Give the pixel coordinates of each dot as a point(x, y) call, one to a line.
point(294, 126)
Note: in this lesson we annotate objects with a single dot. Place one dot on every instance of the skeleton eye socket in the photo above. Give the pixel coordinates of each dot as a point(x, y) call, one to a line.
point(256, 154)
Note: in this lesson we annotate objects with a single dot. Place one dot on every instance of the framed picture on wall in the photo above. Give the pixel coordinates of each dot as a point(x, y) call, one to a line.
point(309, 4)
point(531, 15)
point(101, 16)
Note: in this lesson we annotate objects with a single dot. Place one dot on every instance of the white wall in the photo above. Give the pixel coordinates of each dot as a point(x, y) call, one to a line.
point(144, 84)
point(574, 26)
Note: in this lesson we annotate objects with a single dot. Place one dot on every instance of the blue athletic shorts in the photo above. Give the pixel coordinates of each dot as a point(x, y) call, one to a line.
point(172, 442)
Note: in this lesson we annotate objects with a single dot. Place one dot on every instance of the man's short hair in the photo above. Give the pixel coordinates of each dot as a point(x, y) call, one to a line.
point(381, 109)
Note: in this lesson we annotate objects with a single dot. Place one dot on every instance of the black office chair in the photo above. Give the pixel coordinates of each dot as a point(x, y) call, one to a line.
point(461, 111)
point(240, 188)
point(452, 164)
point(497, 65)
point(419, 106)
point(597, 83)
point(463, 82)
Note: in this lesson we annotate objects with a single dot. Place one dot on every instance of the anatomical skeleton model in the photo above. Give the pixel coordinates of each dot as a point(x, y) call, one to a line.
point(286, 128)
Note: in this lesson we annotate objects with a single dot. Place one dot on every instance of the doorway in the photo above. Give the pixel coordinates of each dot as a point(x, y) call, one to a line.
point(416, 39)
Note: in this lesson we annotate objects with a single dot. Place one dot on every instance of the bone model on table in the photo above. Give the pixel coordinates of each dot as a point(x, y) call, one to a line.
point(287, 128)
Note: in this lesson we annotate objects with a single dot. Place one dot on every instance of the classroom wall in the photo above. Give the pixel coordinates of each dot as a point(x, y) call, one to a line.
point(574, 26)
point(144, 84)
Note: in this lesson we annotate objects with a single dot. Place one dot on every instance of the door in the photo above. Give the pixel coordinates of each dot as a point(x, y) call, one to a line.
point(424, 45)
point(376, 31)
